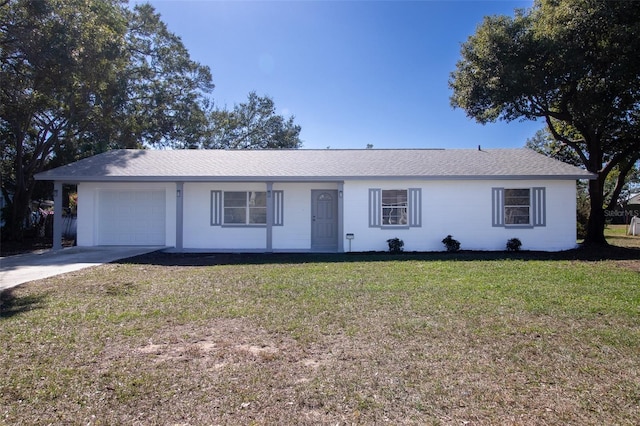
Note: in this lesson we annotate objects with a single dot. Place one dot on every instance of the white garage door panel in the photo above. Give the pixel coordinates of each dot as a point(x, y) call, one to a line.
point(131, 218)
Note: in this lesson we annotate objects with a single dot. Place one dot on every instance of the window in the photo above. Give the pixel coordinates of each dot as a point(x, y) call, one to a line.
point(516, 206)
point(245, 208)
point(524, 207)
point(395, 207)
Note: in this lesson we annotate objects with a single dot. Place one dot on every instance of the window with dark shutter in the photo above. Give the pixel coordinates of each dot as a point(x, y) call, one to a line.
point(395, 207)
point(518, 207)
point(245, 208)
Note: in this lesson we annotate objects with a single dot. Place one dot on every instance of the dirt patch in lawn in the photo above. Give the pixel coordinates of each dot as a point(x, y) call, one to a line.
point(634, 265)
point(228, 371)
point(222, 342)
point(235, 371)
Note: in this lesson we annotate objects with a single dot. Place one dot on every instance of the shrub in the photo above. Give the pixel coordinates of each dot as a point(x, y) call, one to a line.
point(582, 215)
point(395, 245)
point(514, 244)
point(451, 244)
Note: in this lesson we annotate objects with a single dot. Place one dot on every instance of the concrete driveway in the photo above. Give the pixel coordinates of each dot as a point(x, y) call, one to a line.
point(22, 268)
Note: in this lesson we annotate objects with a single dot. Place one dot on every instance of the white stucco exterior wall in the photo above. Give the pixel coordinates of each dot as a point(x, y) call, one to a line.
point(462, 209)
point(199, 234)
point(294, 235)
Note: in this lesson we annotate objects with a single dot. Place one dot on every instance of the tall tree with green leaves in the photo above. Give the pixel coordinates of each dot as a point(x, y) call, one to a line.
point(80, 77)
point(251, 125)
point(571, 63)
point(618, 185)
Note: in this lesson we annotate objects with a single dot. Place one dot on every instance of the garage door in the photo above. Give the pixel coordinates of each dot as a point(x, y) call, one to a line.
point(131, 218)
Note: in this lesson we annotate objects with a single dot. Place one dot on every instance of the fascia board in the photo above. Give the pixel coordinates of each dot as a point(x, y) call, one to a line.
point(76, 179)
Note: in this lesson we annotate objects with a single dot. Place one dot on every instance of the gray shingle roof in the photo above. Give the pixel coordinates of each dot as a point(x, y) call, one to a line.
point(298, 165)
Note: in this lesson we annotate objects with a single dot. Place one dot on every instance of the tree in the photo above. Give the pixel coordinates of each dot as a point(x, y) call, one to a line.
point(166, 90)
point(573, 64)
point(544, 143)
point(80, 77)
point(615, 192)
point(252, 125)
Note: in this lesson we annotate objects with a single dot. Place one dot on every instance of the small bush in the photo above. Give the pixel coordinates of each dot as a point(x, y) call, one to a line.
point(514, 244)
point(395, 245)
point(451, 244)
point(582, 214)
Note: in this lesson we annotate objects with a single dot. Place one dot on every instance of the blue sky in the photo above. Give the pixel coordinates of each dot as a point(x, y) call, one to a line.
point(351, 72)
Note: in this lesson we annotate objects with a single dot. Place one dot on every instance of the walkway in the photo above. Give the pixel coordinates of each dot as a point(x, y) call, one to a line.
point(22, 268)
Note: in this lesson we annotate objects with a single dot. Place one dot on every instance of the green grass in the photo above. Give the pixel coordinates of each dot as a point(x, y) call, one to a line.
point(334, 340)
point(617, 235)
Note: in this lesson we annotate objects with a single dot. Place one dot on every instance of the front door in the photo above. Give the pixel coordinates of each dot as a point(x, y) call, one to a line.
point(324, 220)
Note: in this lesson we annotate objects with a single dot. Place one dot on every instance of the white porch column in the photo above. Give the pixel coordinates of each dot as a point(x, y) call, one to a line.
point(340, 217)
point(269, 217)
point(179, 215)
point(57, 215)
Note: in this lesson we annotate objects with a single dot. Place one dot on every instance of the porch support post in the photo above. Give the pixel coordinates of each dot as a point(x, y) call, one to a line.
point(269, 217)
point(340, 217)
point(57, 216)
point(179, 216)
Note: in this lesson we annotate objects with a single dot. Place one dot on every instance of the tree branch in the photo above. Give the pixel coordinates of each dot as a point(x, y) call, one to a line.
point(569, 142)
point(621, 181)
point(631, 152)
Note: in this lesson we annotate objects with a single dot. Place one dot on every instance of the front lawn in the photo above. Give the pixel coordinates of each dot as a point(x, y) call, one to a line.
point(326, 340)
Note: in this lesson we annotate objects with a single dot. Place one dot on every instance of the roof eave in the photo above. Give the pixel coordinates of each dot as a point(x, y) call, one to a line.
point(157, 179)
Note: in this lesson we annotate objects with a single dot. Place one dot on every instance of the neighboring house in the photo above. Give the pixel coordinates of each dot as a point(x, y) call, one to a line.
point(622, 213)
point(322, 200)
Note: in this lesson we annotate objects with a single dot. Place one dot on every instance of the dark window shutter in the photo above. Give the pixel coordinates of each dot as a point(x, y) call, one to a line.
point(497, 206)
point(415, 207)
point(538, 207)
point(375, 207)
point(216, 208)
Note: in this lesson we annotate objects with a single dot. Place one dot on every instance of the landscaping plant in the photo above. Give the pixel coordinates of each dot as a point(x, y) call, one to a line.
point(396, 245)
point(451, 244)
point(514, 244)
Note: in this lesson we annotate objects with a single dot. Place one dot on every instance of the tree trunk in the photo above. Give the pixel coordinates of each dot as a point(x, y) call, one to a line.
point(596, 224)
point(19, 209)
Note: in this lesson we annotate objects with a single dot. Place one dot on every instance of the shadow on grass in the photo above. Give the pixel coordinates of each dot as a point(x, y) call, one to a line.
point(207, 259)
point(11, 305)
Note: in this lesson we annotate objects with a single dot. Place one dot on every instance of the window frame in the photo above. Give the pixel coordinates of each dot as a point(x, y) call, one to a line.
point(402, 219)
point(217, 209)
point(537, 207)
point(413, 208)
point(515, 206)
point(247, 207)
